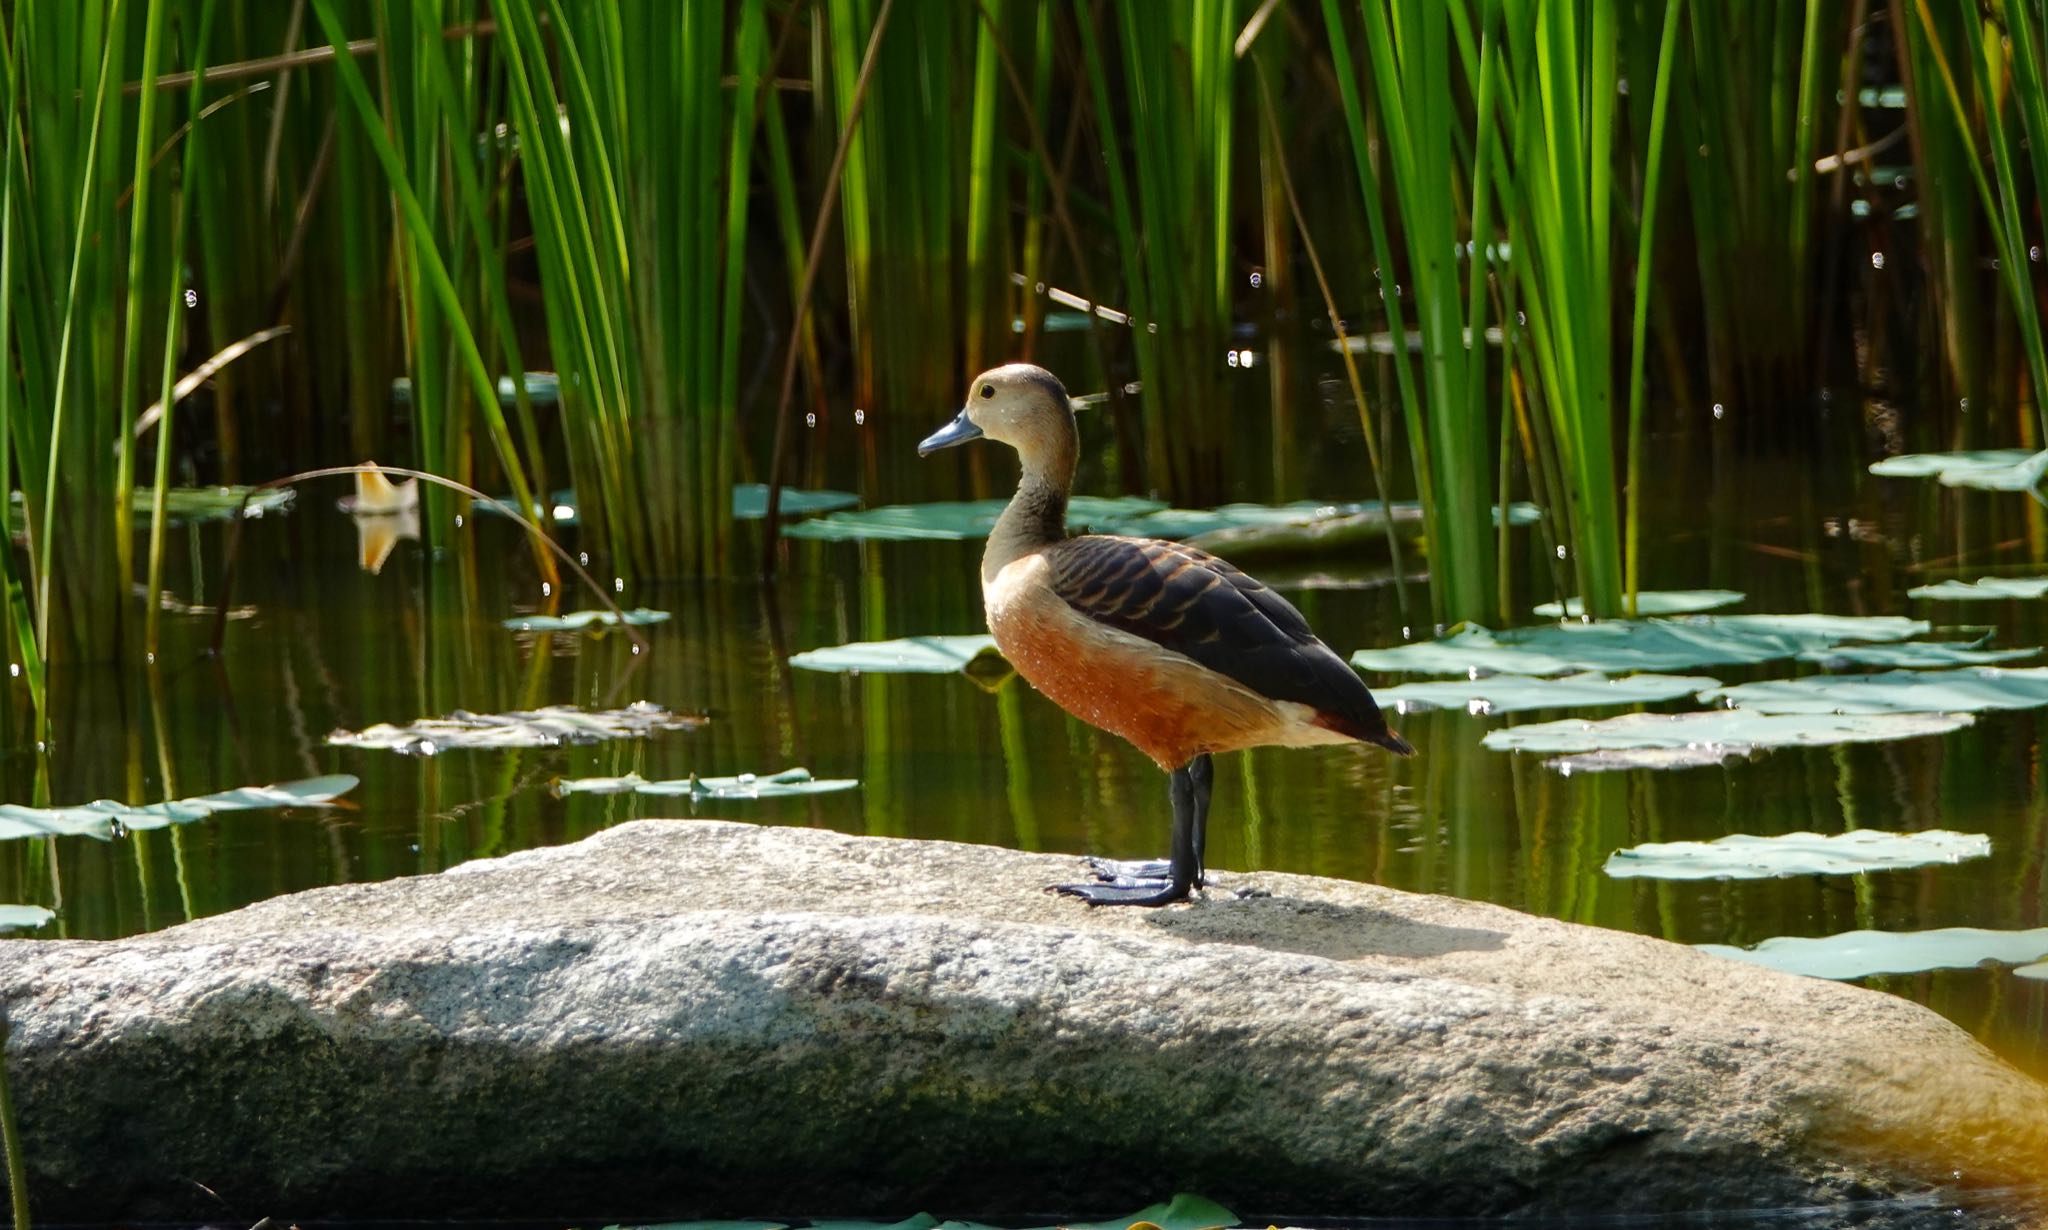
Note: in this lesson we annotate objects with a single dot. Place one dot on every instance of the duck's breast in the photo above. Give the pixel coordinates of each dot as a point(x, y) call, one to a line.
point(1167, 704)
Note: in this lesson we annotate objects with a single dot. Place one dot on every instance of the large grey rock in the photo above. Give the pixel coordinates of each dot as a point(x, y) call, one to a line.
point(704, 1018)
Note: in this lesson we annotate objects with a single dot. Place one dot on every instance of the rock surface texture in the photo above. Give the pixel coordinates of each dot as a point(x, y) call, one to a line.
point(701, 1018)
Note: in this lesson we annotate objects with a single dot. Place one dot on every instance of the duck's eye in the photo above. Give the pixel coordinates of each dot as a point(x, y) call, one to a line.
point(988, 390)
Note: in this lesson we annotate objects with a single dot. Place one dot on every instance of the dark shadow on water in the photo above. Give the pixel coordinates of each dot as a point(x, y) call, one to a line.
point(1321, 929)
point(2019, 1208)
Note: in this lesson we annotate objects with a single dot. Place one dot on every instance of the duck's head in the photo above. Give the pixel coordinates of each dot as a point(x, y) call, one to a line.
point(1020, 405)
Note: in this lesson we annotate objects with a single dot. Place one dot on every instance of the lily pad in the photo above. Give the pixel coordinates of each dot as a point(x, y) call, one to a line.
point(1622, 645)
point(561, 506)
point(103, 818)
point(705, 1225)
point(1735, 731)
point(1988, 589)
point(1702, 756)
point(2038, 969)
point(1970, 690)
point(1740, 856)
point(13, 917)
point(954, 520)
point(542, 388)
point(577, 620)
point(1256, 531)
point(920, 1221)
point(1183, 1212)
point(786, 784)
point(1860, 954)
point(928, 655)
point(750, 501)
point(1653, 602)
point(187, 505)
point(1200, 522)
point(1411, 341)
point(1914, 654)
point(554, 726)
point(1519, 693)
point(1996, 469)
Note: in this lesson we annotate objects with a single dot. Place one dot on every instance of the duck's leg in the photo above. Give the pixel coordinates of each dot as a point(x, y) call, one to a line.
point(1181, 870)
point(1154, 872)
point(1202, 775)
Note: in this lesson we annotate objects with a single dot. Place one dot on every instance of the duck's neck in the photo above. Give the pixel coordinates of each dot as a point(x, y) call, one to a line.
point(1037, 515)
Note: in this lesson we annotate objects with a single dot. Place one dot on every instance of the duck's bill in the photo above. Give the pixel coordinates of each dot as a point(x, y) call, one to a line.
point(959, 431)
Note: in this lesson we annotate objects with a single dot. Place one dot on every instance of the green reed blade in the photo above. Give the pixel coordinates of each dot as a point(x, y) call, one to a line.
point(174, 315)
point(1646, 234)
point(72, 309)
point(131, 333)
point(983, 186)
point(18, 641)
point(1384, 283)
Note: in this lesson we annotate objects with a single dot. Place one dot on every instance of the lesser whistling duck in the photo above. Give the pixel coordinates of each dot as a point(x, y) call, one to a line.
point(1163, 644)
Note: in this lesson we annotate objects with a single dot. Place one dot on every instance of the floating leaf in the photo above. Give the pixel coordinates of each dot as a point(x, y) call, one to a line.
point(750, 501)
point(1620, 646)
point(542, 389)
point(1654, 602)
point(1705, 755)
point(1932, 465)
point(577, 620)
point(2038, 969)
point(1183, 1212)
point(1860, 954)
point(1997, 469)
point(930, 655)
point(1971, 690)
point(786, 784)
point(705, 1225)
point(187, 505)
point(1202, 522)
point(1740, 856)
point(921, 1221)
point(958, 519)
point(377, 496)
point(171, 603)
point(1986, 590)
point(1520, 693)
point(100, 819)
point(1733, 731)
point(561, 507)
point(554, 726)
point(1411, 340)
point(1914, 654)
point(1258, 531)
point(16, 916)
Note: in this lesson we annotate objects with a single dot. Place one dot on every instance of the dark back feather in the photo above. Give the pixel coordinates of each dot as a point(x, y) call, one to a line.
point(1184, 599)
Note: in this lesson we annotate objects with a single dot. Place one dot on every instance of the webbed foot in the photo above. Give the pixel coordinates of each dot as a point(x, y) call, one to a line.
point(1127, 872)
point(1137, 892)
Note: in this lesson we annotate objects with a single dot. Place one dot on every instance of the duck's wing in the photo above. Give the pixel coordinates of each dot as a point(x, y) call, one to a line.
point(1184, 599)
